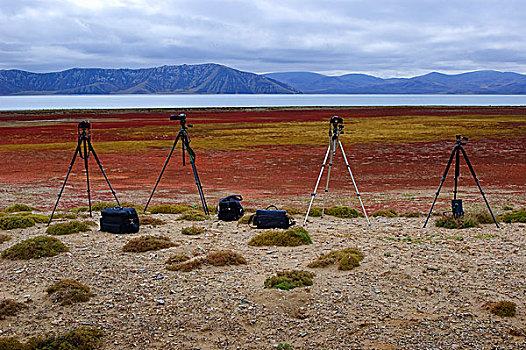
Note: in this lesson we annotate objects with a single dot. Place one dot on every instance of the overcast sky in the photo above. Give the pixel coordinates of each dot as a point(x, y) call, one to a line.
point(387, 38)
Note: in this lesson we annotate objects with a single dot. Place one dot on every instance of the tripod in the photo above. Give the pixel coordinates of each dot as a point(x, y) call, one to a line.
point(185, 141)
point(335, 129)
point(457, 204)
point(84, 148)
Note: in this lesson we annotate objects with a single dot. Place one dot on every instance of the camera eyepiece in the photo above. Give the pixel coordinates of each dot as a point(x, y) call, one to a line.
point(84, 124)
point(336, 120)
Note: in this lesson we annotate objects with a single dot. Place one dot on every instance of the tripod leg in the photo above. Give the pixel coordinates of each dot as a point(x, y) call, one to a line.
point(457, 172)
point(86, 154)
point(441, 183)
point(196, 176)
point(77, 150)
point(317, 183)
point(332, 147)
point(353, 182)
point(478, 184)
point(162, 171)
point(103, 173)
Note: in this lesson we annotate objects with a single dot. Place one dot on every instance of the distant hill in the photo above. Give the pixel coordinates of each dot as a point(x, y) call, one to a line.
point(196, 79)
point(479, 82)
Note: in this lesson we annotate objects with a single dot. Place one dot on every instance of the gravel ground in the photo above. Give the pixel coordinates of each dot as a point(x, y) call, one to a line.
point(416, 289)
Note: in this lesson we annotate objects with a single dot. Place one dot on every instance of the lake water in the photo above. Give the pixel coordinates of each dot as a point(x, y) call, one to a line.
point(12, 103)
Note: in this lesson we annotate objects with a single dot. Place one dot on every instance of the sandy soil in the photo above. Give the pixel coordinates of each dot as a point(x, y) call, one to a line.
point(416, 289)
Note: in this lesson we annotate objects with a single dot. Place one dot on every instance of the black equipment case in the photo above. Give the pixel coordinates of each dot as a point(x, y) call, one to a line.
point(230, 208)
point(271, 218)
point(119, 220)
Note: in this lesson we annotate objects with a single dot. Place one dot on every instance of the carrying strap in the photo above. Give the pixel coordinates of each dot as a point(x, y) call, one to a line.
point(272, 206)
point(250, 220)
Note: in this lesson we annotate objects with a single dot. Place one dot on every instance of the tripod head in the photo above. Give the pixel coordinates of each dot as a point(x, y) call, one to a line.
point(461, 138)
point(82, 127)
point(336, 126)
point(182, 120)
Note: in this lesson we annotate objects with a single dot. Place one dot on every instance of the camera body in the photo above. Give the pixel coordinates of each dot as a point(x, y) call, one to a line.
point(461, 138)
point(84, 125)
point(337, 126)
point(181, 116)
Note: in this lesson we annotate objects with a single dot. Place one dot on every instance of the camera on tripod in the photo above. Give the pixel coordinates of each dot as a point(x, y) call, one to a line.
point(182, 119)
point(461, 138)
point(337, 125)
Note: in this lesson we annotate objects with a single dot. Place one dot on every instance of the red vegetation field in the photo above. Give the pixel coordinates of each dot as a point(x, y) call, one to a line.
point(269, 156)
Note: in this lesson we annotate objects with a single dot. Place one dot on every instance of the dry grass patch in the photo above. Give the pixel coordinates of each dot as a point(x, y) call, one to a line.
point(148, 243)
point(289, 238)
point(37, 218)
point(83, 338)
point(67, 228)
point(9, 307)
point(514, 216)
point(503, 308)
point(150, 220)
point(287, 280)
point(177, 259)
point(68, 291)
point(170, 209)
point(347, 259)
point(4, 238)
point(460, 223)
point(34, 248)
point(192, 230)
point(218, 258)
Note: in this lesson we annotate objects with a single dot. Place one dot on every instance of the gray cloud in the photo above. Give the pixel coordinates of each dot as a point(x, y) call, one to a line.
point(384, 37)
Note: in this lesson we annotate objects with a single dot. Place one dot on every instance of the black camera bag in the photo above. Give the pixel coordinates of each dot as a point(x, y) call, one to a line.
point(271, 218)
point(119, 220)
point(230, 208)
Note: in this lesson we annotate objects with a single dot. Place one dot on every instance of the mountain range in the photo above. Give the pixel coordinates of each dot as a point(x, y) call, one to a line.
point(213, 78)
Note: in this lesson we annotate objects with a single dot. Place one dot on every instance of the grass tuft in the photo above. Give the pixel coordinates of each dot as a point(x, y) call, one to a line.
point(452, 223)
point(37, 218)
point(193, 215)
point(224, 258)
point(148, 243)
point(341, 211)
point(9, 307)
point(11, 222)
point(67, 228)
point(83, 338)
point(514, 216)
point(34, 248)
point(170, 209)
point(177, 259)
point(289, 238)
point(287, 280)
point(388, 213)
point(18, 207)
point(68, 291)
point(192, 230)
point(347, 259)
point(185, 266)
point(315, 212)
point(504, 309)
point(244, 220)
point(150, 220)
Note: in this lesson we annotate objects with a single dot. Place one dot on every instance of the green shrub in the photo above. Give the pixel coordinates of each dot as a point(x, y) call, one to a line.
point(285, 346)
point(34, 248)
point(83, 338)
point(68, 291)
point(4, 238)
point(18, 207)
point(289, 238)
point(212, 210)
point(79, 209)
point(343, 212)
point(192, 230)
point(67, 228)
point(11, 222)
point(347, 259)
point(170, 209)
point(193, 215)
point(483, 218)
point(388, 213)
point(287, 280)
point(504, 309)
point(150, 220)
point(452, 223)
point(148, 243)
point(37, 218)
point(514, 216)
point(64, 216)
point(9, 307)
